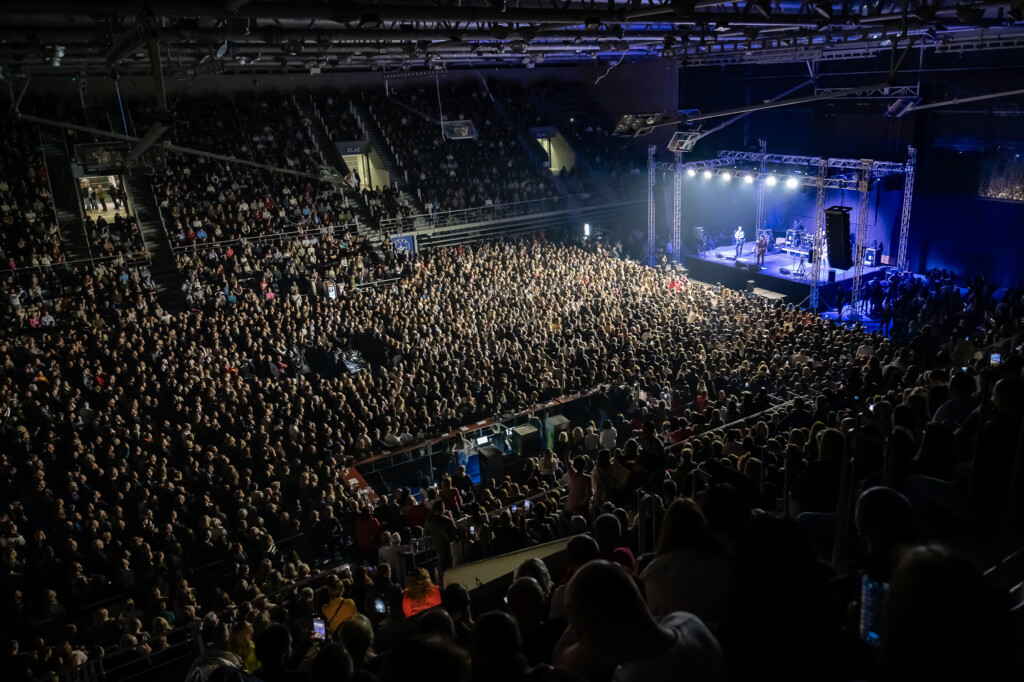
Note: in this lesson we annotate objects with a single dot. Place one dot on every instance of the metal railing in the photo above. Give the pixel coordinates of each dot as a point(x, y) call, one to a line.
point(476, 214)
point(49, 186)
point(334, 230)
point(69, 265)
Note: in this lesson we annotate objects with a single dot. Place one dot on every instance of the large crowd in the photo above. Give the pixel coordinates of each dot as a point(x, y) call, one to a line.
point(41, 290)
point(338, 119)
point(588, 130)
point(139, 450)
point(210, 202)
point(489, 171)
point(969, 311)
point(30, 237)
point(165, 475)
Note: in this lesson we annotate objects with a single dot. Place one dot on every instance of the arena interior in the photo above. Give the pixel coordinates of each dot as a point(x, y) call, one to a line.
point(490, 340)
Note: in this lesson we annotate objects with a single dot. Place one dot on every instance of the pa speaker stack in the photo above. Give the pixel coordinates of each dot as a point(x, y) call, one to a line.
point(491, 464)
point(553, 426)
point(837, 232)
point(525, 440)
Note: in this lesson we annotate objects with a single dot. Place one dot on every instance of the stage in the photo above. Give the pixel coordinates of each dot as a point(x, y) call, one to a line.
point(720, 265)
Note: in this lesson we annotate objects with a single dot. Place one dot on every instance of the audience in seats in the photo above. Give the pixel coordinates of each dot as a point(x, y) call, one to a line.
point(30, 237)
point(207, 201)
point(338, 119)
point(168, 473)
point(488, 172)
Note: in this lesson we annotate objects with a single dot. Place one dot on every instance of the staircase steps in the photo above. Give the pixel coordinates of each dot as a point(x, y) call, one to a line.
point(376, 137)
point(67, 200)
point(163, 267)
point(332, 157)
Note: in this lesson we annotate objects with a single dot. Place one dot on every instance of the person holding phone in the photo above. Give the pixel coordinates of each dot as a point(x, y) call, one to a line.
point(384, 598)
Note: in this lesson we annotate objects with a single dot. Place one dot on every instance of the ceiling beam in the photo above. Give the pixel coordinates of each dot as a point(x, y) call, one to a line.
point(331, 11)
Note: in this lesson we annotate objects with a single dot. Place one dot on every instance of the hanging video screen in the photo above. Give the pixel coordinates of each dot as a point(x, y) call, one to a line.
point(102, 157)
point(459, 130)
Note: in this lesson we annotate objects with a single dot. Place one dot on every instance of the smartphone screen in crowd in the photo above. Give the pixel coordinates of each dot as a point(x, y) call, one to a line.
point(379, 606)
point(319, 628)
point(872, 599)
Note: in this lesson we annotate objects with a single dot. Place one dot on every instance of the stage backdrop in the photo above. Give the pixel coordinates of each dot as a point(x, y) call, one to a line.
point(720, 205)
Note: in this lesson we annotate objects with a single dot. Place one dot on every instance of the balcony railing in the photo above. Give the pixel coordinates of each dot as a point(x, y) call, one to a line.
point(475, 214)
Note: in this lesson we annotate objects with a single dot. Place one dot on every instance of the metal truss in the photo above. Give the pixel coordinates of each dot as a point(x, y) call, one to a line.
point(651, 171)
point(834, 182)
point(894, 92)
point(677, 207)
point(759, 210)
point(862, 233)
point(993, 42)
point(878, 168)
point(784, 49)
point(908, 197)
point(819, 234)
point(696, 166)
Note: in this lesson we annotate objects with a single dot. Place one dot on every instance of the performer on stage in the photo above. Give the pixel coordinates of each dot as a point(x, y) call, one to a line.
point(801, 270)
point(762, 249)
point(740, 238)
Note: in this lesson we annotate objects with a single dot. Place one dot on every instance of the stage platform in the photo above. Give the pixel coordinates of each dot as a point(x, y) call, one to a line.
point(720, 265)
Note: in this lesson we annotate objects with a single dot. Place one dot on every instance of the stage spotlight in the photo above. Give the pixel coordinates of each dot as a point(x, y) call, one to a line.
point(727, 176)
point(708, 174)
point(771, 180)
point(748, 178)
point(690, 172)
point(791, 183)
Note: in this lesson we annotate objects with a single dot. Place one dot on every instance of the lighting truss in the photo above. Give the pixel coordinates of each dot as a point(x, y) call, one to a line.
point(652, 168)
point(677, 206)
point(819, 233)
point(908, 196)
point(759, 208)
point(879, 169)
point(836, 182)
point(862, 233)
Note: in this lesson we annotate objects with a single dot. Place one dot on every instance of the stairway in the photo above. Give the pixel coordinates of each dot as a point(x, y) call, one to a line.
point(530, 145)
point(377, 140)
point(66, 198)
point(330, 156)
point(163, 267)
point(575, 101)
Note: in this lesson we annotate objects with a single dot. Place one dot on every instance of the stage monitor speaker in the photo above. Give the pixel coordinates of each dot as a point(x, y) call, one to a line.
point(753, 267)
point(831, 276)
point(526, 440)
point(554, 426)
point(785, 271)
point(741, 265)
point(719, 256)
point(837, 232)
point(491, 464)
